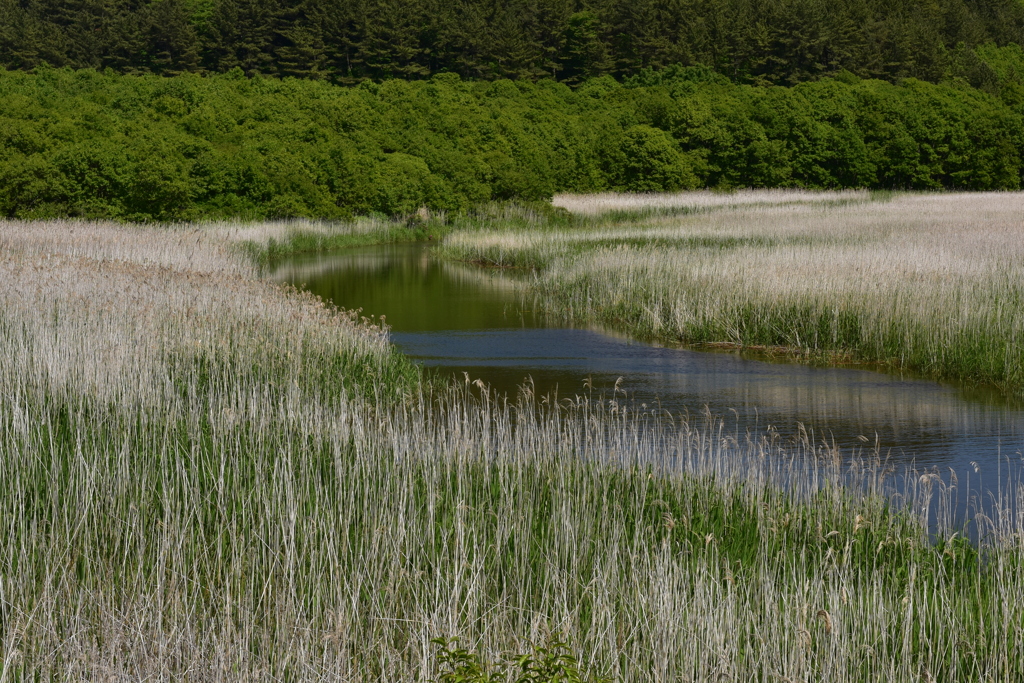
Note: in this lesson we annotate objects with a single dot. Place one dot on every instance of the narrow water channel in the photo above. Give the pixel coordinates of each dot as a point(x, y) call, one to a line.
point(458, 318)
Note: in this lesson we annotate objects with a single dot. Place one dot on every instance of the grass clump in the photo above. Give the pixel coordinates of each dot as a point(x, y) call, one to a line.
point(311, 238)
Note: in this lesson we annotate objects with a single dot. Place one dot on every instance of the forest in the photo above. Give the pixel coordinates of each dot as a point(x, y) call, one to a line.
point(758, 42)
point(188, 109)
point(96, 144)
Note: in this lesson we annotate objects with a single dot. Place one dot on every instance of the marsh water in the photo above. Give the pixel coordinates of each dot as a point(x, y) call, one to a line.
point(462, 320)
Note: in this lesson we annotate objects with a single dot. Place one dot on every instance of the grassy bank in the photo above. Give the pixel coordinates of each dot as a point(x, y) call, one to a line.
point(266, 243)
point(207, 477)
point(928, 283)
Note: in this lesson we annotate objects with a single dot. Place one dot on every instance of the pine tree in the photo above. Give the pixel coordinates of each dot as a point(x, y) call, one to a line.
point(584, 53)
point(240, 34)
point(171, 38)
point(299, 39)
point(81, 28)
point(26, 41)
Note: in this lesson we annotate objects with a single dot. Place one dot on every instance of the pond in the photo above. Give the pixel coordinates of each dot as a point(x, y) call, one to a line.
point(462, 320)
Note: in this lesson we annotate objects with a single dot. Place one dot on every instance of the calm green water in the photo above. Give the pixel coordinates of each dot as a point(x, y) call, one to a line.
point(459, 319)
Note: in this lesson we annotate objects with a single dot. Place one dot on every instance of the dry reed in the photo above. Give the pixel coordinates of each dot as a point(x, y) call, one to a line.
point(188, 496)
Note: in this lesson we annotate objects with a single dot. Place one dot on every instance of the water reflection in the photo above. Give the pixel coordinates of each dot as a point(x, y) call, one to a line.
point(458, 318)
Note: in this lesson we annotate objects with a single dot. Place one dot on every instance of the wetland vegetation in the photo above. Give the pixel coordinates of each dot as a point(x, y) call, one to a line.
point(211, 477)
point(930, 283)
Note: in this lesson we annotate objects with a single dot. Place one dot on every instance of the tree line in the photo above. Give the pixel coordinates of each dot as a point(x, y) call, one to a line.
point(103, 145)
point(349, 41)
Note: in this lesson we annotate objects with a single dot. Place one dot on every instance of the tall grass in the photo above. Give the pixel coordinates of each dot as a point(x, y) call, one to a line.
point(267, 243)
point(933, 283)
point(107, 311)
point(662, 203)
point(189, 495)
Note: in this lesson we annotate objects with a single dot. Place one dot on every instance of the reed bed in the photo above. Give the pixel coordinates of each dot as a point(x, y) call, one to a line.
point(932, 283)
point(649, 203)
point(188, 495)
point(109, 311)
point(267, 242)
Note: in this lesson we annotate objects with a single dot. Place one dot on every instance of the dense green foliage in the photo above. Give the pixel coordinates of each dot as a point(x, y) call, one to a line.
point(569, 40)
point(94, 144)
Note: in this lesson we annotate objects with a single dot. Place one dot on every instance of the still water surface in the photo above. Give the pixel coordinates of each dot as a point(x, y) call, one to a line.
point(458, 318)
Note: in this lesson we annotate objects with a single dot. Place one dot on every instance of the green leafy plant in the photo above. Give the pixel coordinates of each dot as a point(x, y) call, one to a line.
point(552, 662)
